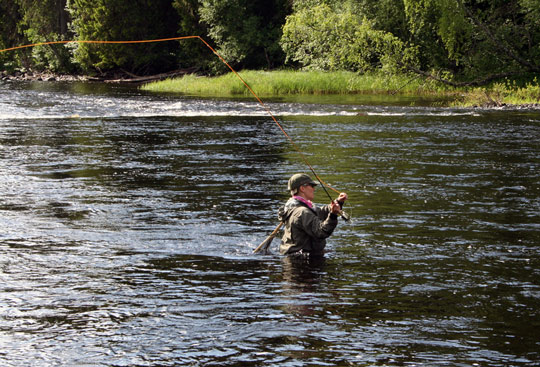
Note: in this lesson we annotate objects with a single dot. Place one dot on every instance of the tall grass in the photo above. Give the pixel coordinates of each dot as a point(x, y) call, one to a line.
point(288, 82)
point(291, 82)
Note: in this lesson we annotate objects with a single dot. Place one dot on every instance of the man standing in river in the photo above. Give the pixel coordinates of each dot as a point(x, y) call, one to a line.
point(307, 226)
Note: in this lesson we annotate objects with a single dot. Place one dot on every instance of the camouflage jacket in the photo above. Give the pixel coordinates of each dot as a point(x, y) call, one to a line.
point(306, 229)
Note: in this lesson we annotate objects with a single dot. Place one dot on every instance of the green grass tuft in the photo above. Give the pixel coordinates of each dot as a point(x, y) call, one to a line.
point(289, 82)
point(276, 83)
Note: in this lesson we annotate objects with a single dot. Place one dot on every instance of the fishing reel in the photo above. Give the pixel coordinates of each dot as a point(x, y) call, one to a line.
point(346, 216)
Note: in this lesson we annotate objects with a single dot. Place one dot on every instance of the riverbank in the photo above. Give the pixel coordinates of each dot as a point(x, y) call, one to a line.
point(114, 76)
point(279, 83)
point(41, 77)
point(507, 94)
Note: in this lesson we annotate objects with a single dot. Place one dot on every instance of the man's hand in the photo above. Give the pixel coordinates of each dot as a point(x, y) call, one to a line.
point(335, 208)
point(342, 197)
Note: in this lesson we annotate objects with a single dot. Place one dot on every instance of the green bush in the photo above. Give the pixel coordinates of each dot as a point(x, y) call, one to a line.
point(321, 38)
point(119, 20)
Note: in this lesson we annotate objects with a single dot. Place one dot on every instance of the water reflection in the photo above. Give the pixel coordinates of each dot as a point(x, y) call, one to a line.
point(301, 277)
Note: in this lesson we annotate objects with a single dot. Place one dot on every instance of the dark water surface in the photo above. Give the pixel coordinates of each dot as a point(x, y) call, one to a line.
point(128, 220)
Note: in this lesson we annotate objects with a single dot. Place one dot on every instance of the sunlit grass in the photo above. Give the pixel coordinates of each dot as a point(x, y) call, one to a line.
point(501, 94)
point(289, 82)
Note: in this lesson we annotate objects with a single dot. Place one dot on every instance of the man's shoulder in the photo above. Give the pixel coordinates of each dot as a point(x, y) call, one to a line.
point(301, 210)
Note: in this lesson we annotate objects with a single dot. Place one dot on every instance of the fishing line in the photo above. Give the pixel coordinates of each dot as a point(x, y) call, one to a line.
point(323, 184)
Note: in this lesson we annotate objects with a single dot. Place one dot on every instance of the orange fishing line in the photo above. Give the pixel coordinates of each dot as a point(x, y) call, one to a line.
point(218, 55)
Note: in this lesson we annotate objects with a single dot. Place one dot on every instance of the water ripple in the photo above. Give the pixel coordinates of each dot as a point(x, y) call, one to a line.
point(128, 220)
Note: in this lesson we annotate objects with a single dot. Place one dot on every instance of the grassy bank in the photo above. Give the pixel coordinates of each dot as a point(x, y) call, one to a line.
point(501, 94)
point(279, 83)
point(274, 83)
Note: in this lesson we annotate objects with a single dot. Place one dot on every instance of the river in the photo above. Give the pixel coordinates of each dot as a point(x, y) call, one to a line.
point(128, 221)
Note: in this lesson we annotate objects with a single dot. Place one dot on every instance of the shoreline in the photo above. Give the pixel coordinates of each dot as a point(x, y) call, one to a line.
point(44, 77)
point(279, 83)
point(123, 77)
point(117, 76)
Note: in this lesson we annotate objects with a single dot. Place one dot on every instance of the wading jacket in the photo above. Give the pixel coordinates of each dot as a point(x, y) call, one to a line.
point(306, 228)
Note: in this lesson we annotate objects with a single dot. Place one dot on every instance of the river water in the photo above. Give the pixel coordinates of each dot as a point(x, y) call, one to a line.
point(128, 221)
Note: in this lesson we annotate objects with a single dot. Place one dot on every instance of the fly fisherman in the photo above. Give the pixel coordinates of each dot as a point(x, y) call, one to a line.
point(307, 226)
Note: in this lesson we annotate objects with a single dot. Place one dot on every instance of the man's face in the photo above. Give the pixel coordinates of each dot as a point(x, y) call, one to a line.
point(308, 191)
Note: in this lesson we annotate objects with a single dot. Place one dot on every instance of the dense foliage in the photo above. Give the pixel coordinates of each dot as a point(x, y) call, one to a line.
point(116, 20)
point(456, 41)
point(247, 32)
point(320, 38)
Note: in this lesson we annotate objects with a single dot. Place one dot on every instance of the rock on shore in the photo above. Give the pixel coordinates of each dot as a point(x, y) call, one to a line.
point(37, 76)
point(115, 76)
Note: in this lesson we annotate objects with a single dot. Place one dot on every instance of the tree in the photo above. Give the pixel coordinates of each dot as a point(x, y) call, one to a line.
point(246, 32)
point(119, 20)
point(9, 37)
point(385, 15)
point(41, 21)
point(326, 38)
point(191, 52)
point(480, 40)
point(455, 41)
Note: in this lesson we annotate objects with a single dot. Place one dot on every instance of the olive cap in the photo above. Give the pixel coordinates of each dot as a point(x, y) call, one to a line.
point(298, 180)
